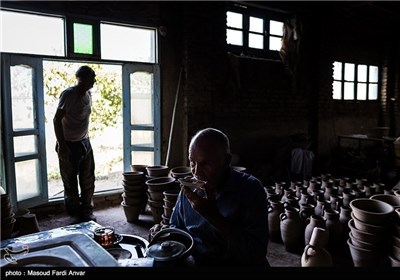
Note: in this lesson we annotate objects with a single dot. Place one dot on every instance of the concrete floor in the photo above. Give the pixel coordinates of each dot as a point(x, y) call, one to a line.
point(113, 215)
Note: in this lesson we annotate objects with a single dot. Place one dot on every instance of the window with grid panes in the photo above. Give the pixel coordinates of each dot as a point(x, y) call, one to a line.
point(253, 34)
point(355, 81)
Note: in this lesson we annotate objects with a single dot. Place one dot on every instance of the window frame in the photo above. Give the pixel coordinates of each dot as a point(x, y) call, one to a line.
point(70, 38)
point(355, 81)
point(248, 12)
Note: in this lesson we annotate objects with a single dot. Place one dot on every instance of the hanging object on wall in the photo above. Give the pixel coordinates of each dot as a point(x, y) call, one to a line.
point(289, 51)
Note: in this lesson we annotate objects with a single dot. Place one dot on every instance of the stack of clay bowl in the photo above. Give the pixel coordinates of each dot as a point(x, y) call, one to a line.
point(180, 172)
point(156, 187)
point(134, 197)
point(170, 197)
point(370, 231)
point(7, 217)
point(394, 253)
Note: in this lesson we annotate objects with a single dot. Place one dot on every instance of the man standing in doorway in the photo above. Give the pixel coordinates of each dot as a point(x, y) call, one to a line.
point(75, 154)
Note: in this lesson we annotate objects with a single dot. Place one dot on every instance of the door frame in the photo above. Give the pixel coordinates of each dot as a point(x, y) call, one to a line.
point(10, 159)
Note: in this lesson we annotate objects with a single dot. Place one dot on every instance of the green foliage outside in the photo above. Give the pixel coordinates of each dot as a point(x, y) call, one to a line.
point(106, 98)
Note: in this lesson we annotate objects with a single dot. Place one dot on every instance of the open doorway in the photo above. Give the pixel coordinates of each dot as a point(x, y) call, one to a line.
point(105, 128)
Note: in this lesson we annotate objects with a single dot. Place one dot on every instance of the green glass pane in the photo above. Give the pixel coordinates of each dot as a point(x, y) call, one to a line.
point(83, 38)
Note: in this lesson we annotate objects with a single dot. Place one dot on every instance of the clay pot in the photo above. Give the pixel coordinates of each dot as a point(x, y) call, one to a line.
point(171, 195)
point(139, 167)
point(292, 230)
point(369, 228)
point(275, 209)
point(133, 177)
point(344, 217)
point(313, 222)
point(315, 255)
point(156, 195)
point(394, 262)
point(162, 184)
point(181, 172)
point(240, 168)
point(388, 198)
point(365, 236)
point(364, 257)
point(334, 226)
point(372, 211)
point(365, 245)
point(134, 200)
point(157, 170)
point(132, 212)
point(168, 203)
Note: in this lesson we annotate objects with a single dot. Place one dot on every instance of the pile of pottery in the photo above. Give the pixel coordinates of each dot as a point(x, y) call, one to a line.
point(170, 197)
point(370, 230)
point(323, 196)
point(134, 197)
point(156, 186)
point(7, 217)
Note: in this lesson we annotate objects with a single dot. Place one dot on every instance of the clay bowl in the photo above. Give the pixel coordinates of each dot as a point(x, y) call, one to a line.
point(161, 184)
point(156, 195)
point(365, 245)
point(396, 240)
point(155, 203)
point(368, 227)
point(139, 167)
point(397, 215)
point(132, 212)
point(181, 172)
point(165, 219)
point(157, 170)
point(373, 238)
point(156, 212)
point(168, 203)
point(134, 177)
point(167, 211)
point(396, 252)
point(364, 257)
point(239, 168)
point(388, 198)
point(394, 262)
point(134, 188)
point(134, 200)
point(171, 195)
point(372, 211)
